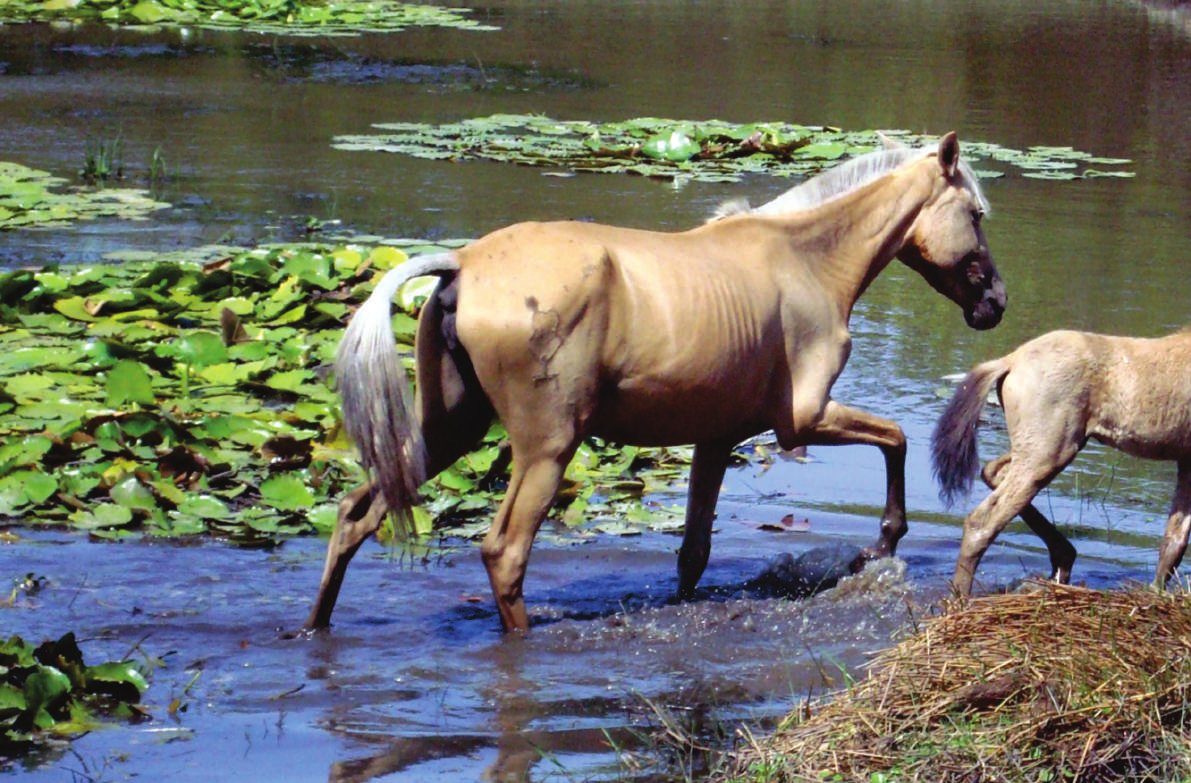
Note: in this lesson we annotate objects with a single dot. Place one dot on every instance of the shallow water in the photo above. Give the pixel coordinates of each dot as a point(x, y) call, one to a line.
point(414, 682)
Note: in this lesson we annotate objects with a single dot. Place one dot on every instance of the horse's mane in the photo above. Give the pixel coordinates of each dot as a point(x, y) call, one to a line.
point(844, 179)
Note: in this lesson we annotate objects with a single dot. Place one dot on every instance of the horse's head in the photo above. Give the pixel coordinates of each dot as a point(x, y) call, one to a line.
point(946, 243)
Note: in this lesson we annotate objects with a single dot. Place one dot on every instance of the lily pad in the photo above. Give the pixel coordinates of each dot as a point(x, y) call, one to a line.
point(47, 693)
point(286, 17)
point(35, 199)
point(711, 150)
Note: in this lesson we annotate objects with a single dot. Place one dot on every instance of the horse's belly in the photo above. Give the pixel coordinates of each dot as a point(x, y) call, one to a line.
point(649, 419)
point(1148, 431)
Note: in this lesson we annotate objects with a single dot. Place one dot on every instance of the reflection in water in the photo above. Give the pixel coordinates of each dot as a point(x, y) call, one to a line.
point(573, 690)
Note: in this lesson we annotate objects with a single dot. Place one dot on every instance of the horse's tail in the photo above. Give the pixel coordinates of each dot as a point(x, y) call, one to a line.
point(953, 444)
point(376, 391)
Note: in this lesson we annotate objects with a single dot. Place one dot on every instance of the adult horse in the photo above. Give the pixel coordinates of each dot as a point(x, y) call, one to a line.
point(1059, 391)
point(709, 336)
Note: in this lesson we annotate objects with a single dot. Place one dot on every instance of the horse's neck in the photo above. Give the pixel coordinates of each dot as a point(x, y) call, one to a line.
point(850, 240)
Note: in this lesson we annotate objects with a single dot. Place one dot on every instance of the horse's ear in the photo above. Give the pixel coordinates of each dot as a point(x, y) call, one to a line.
point(890, 143)
point(949, 153)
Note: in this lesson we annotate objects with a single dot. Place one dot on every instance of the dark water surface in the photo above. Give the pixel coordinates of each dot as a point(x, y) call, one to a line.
point(414, 682)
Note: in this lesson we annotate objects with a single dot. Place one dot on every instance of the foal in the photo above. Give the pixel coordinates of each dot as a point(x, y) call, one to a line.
point(1058, 391)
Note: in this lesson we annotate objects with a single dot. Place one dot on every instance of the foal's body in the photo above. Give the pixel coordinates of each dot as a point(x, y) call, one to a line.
point(1059, 391)
point(709, 336)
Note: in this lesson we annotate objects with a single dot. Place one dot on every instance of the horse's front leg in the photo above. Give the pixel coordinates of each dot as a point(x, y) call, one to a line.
point(707, 473)
point(361, 513)
point(841, 425)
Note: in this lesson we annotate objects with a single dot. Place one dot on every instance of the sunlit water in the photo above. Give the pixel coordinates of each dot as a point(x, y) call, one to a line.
point(415, 682)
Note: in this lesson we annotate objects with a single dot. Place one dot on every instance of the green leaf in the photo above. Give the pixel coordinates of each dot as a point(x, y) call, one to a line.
point(323, 517)
point(313, 268)
point(205, 507)
point(201, 349)
point(823, 151)
point(286, 492)
point(28, 384)
point(44, 689)
point(39, 487)
point(148, 12)
point(225, 374)
point(104, 515)
point(291, 380)
point(239, 305)
point(122, 672)
point(75, 307)
point(132, 494)
point(451, 479)
point(128, 382)
point(27, 451)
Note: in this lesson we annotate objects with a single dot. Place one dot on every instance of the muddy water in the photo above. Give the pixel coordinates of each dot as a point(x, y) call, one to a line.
point(414, 682)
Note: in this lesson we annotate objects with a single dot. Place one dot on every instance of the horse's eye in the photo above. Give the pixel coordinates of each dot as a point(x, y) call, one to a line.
point(977, 215)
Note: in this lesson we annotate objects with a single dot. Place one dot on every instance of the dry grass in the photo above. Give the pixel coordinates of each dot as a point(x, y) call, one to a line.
point(1056, 684)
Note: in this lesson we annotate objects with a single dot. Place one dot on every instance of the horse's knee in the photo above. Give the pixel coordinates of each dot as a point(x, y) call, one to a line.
point(355, 504)
point(361, 513)
point(994, 469)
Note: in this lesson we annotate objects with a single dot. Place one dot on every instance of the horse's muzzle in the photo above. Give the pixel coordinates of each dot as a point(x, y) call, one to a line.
point(986, 313)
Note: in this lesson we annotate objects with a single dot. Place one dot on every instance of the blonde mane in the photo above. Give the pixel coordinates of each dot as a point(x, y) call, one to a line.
point(844, 179)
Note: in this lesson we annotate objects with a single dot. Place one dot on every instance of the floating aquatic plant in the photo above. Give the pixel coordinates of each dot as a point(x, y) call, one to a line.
point(710, 151)
point(175, 397)
point(31, 198)
point(290, 17)
point(48, 693)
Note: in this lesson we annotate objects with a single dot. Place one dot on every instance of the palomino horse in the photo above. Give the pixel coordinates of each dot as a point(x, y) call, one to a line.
point(710, 336)
point(1058, 391)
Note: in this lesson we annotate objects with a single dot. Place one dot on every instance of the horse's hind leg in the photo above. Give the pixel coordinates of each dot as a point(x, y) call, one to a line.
point(1178, 527)
point(361, 513)
point(707, 473)
point(453, 414)
point(1062, 553)
point(505, 549)
point(842, 425)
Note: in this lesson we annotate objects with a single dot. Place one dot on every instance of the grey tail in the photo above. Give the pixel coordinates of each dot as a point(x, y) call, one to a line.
point(376, 391)
point(953, 444)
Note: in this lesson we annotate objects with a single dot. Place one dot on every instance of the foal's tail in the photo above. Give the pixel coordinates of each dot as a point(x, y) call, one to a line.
point(953, 444)
point(376, 391)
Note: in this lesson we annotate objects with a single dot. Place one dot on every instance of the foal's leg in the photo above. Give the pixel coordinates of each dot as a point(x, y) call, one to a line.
point(707, 473)
point(842, 425)
point(1062, 553)
point(1178, 527)
point(1022, 476)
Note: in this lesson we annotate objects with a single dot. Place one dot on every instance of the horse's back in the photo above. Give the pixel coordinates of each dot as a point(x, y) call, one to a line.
point(673, 337)
point(1131, 393)
point(1145, 409)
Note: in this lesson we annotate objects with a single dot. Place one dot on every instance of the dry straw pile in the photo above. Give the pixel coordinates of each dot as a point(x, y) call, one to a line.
point(1055, 684)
